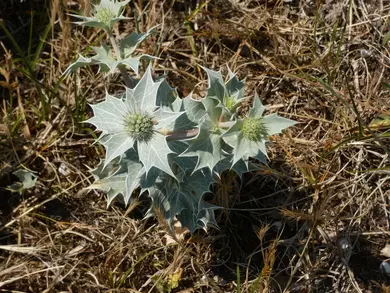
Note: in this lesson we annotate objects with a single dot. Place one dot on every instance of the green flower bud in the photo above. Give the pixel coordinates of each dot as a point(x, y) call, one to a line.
point(254, 129)
point(104, 15)
point(230, 103)
point(139, 126)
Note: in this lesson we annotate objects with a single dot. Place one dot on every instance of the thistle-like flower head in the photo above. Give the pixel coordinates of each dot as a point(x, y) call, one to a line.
point(248, 135)
point(136, 122)
point(139, 125)
point(104, 15)
point(253, 128)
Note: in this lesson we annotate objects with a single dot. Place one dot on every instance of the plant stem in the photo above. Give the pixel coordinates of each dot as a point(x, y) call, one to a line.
point(226, 125)
point(183, 134)
point(187, 134)
point(122, 69)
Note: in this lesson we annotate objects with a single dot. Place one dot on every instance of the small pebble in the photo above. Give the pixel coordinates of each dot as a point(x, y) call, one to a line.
point(344, 244)
point(64, 170)
point(385, 267)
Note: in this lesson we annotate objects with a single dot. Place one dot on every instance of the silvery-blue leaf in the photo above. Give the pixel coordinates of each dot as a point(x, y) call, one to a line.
point(103, 57)
point(262, 158)
point(130, 43)
point(166, 119)
point(116, 144)
point(257, 108)
point(135, 171)
point(244, 148)
point(108, 115)
point(186, 163)
point(198, 182)
point(195, 110)
point(27, 179)
point(234, 94)
point(240, 167)
point(143, 97)
point(106, 61)
point(168, 98)
point(114, 185)
point(196, 213)
point(216, 89)
point(132, 62)
point(148, 180)
point(275, 124)
point(110, 178)
point(206, 146)
point(211, 105)
point(101, 171)
point(185, 202)
point(105, 15)
point(234, 86)
point(155, 154)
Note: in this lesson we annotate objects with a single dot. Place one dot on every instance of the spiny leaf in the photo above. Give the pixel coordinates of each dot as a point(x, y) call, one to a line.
point(135, 171)
point(105, 15)
point(216, 89)
point(215, 94)
point(167, 97)
point(240, 167)
point(155, 154)
point(108, 115)
point(213, 111)
point(184, 163)
point(130, 43)
point(166, 119)
point(111, 179)
point(110, 169)
point(275, 124)
point(244, 148)
point(144, 96)
point(168, 100)
point(206, 146)
point(234, 93)
point(116, 144)
point(27, 180)
point(197, 183)
point(195, 212)
point(194, 112)
point(194, 109)
point(114, 185)
point(121, 177)
point(185, 202)
point(257, 108)
point(106, 61)
point(147, 181)
point(225, 97)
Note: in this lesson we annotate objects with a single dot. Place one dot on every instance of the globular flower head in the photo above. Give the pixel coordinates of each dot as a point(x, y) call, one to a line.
point(248, 136)
point(104, 15)
point(223, 97)
point(254, 129)
point(139, 125)
point(231, 103)
point(136, 122)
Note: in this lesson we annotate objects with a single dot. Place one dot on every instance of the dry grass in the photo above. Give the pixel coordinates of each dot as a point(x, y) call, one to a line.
point(314, 221)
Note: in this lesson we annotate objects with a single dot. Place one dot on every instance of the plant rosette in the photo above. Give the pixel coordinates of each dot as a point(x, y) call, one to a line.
point(174, 149)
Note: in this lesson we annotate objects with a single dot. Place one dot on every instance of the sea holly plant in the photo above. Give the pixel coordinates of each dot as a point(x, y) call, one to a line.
point(171, 148)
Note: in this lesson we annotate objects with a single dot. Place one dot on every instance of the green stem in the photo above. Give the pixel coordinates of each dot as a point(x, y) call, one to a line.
point(122, 69)
point(225, 125)
point(187, 134)
point(183, 134)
